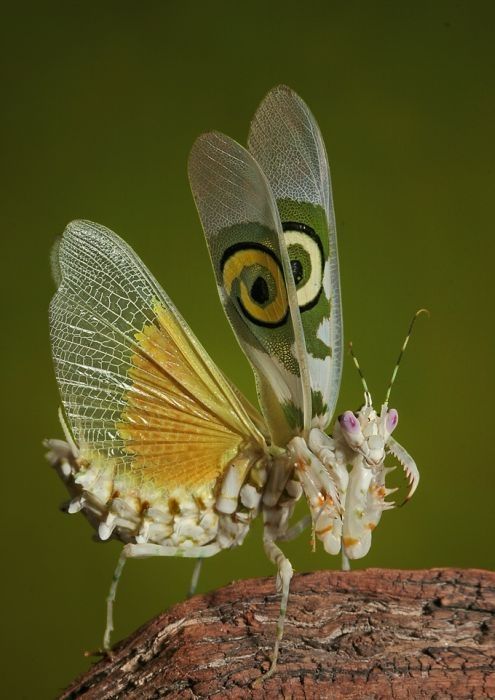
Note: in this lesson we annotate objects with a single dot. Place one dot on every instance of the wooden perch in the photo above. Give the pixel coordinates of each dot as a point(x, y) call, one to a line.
point(364, 634)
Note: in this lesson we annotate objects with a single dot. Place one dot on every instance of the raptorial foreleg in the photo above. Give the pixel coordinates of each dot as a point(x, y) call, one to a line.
point(322, 494)
point(332, 456)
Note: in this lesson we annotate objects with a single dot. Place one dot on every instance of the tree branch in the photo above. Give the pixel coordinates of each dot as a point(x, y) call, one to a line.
point(364, 634)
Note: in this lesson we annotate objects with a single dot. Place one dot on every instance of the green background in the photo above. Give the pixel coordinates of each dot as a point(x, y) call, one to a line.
point(101, 103)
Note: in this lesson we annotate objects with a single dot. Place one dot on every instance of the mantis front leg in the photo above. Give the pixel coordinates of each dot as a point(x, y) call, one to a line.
point(322, 492)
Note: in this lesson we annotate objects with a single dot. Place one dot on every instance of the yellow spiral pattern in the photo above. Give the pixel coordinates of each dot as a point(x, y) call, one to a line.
point(275, 310)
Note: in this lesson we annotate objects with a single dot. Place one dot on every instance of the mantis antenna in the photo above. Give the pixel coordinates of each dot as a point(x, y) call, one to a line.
point(404, 346)
point(367, 395)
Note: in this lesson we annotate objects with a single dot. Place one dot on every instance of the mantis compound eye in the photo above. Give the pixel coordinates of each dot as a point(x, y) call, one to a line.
point(391, 420)
point(350, 423)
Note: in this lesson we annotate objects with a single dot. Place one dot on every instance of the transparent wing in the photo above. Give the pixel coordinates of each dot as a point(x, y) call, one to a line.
point(136, 385)
point(254, 277)
point(285, 140)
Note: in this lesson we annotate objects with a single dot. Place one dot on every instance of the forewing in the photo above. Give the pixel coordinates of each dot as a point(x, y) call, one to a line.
point(285, 140)
point(254, 278)
point(136, 385)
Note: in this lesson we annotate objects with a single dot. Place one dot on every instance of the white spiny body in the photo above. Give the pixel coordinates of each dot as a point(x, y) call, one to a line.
point(162, 452)
point(345, 505)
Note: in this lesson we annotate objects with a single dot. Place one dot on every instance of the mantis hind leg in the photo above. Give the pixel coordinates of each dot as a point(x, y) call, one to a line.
point(295, 530)
point(111, 599)
point(346, 565)
point(284, 577)
point(195, 577)
point(143, 551)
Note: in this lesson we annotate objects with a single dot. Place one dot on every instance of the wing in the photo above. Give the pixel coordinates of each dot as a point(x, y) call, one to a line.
point(254, 277)
point(136, 385)
point(285, 140)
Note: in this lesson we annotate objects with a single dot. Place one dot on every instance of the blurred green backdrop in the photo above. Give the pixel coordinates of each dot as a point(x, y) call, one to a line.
point(100, 105)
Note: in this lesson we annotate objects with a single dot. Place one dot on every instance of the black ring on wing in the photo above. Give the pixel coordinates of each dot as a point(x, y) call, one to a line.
point(256, 246)
point(304, 228)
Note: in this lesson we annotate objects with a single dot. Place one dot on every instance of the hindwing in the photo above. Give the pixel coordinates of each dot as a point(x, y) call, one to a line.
point(137, 387)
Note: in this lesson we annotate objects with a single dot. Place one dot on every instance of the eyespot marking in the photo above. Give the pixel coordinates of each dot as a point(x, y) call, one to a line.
point(259, 291)
point(307, 262)
point(253, 276)
point(297, 270)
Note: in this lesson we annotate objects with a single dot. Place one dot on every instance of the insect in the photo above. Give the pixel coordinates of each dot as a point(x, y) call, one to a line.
point(162, 452)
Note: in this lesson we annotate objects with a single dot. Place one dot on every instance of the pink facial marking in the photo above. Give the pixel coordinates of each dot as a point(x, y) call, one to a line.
point(349, 422)
point(392, 420)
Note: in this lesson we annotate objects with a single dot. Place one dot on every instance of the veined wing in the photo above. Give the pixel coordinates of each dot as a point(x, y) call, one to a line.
point(136, 385)
point(285, 140)
point(254, 277)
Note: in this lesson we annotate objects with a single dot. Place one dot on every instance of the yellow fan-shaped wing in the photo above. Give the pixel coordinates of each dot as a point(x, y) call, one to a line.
point(136, 385)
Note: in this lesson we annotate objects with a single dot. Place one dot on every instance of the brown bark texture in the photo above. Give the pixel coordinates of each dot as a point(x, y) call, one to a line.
point(375, 633)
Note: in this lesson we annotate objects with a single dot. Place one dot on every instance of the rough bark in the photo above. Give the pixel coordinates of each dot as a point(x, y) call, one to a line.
point(364, 634)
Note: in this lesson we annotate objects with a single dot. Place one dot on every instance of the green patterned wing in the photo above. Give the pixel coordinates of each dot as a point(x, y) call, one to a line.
point(254, 277)
point(285, 140)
